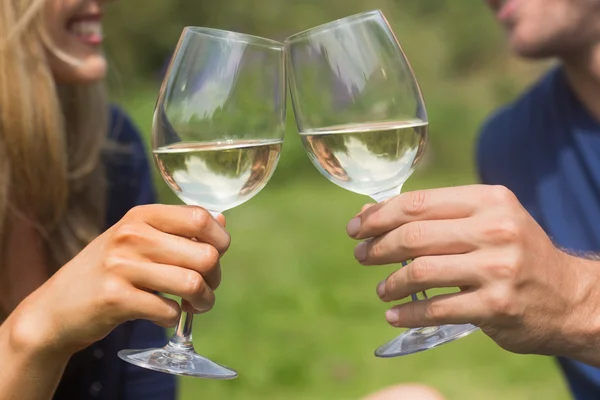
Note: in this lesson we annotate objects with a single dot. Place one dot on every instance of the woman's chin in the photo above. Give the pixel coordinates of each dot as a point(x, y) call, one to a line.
point(90, 70)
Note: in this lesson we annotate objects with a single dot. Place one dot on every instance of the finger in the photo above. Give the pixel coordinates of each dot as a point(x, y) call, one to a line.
point(200, 257)
point(366, 207)
point(144, 243)
point(185, 221)
point(185, 283)
point(187, 307)
point(434, 204)
point(158, 309)
point(417, 239)
point(221, 219)
point(427, 273)
point(453, 309)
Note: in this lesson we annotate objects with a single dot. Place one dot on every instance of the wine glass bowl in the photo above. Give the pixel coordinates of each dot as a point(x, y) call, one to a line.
point(354, 94)
point(217, 134)
point(363, 122)
point(371, 159)
point(220, 114)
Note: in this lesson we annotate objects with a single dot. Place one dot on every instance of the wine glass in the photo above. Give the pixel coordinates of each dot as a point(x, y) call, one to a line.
point(362, 119)
point(217, 134)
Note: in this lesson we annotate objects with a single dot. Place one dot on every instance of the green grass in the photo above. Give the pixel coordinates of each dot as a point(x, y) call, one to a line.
point(298, 317)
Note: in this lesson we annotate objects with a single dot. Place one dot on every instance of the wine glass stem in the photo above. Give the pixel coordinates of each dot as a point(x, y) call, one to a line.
point(182, 337)
point(381, 197)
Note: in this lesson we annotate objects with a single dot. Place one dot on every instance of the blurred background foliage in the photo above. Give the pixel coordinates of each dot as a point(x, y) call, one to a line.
point(455, 47)
point(296, 315)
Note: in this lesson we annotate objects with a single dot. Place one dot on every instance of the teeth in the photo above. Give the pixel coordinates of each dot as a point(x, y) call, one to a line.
point(86, 28)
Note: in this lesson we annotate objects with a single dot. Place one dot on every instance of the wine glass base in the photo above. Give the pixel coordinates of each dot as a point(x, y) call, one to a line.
point(177, 361)
point(421, 339)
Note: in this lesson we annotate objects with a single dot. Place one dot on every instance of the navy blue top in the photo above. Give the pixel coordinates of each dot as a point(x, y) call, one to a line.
point(97, 372)
point(545, 147)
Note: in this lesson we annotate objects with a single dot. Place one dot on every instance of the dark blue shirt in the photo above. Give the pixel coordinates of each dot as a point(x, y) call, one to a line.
point(97, 372)
point(545, 147)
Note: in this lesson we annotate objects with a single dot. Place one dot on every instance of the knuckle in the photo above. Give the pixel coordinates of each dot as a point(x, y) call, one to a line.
point(504, 269)
point(391, 285)
point(419, 199)
point(128, 233)
point(413, 235)
point(412, 315)
point(372, 250)
point(194, 284)
point(115, 263)
point(212, 256)
point(199, 218)
point(171, 314)
point(435, 312)
point(375, 251)
point(501, 304)
point(500, 195)
point(413, 203)
point(417, 271)
point(166, 313)
point(505, 230)
point(114, 293)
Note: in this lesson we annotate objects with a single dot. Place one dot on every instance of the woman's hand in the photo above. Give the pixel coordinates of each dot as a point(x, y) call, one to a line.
point(522, 291)
point(113, 279)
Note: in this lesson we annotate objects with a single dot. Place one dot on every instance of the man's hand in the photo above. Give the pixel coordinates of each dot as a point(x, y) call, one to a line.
point(521, 290)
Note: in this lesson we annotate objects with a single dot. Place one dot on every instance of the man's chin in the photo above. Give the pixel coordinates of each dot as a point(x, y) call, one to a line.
point(532, 50)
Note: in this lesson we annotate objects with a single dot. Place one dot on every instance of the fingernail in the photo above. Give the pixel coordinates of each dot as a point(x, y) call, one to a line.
point(353, 227)
point(392, 316)
point(381, 289)
point(360, 252)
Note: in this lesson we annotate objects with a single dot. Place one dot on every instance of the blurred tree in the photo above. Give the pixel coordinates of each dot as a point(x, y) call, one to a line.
point(455, 48)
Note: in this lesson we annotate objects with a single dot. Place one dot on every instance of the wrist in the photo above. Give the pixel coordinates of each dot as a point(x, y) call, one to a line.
point(581, 328)
point(29, 334)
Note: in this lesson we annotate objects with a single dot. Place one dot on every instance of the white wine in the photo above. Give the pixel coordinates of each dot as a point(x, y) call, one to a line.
point(218, 176)
point(373, 159)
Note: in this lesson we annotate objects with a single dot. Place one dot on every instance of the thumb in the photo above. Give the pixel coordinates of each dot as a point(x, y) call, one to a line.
point(221, 219)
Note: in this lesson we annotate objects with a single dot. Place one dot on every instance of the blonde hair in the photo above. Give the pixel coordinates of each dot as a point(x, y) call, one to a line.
point(51, 139)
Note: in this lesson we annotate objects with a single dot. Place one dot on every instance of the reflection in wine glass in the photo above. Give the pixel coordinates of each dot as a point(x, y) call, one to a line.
point(213, 174)
point(167, 176)
point(259, 171)
point(326, 158)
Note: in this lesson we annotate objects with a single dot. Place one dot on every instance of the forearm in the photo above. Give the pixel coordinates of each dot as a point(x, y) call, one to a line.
point(30, 370)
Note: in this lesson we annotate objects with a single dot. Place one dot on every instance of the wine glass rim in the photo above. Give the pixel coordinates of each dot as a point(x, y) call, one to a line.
point(332, 25)
point(235, 37)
